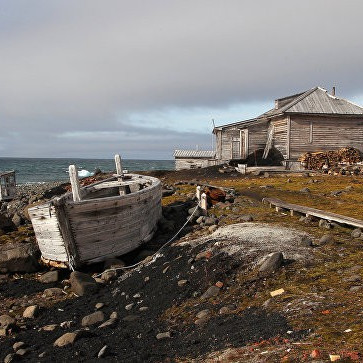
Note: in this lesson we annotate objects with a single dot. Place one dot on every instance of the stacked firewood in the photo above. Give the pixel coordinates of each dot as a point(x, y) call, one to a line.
point(328, 159)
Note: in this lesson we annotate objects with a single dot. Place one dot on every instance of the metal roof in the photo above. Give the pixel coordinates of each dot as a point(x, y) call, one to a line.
point(194, 154)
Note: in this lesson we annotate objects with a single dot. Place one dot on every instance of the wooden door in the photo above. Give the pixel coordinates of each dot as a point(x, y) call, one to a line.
point(236, 148)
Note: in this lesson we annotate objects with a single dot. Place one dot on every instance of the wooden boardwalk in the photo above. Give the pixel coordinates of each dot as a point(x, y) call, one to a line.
point(332, 217)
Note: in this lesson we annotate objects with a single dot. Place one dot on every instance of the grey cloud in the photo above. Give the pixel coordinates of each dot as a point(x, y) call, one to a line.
point(85, 65)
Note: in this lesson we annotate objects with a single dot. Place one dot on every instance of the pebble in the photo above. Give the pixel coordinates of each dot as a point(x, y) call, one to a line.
point(136, 296)
point(144, 308)
point(66, 324)
point(324, 224)
point(50, 276)
point(22, 352)
point(31, 312)
point(114, 315)
point(203, 313)
point(164, 335)
point(93, 318)
point(356, 233)
point(65, 339)
point(99, 306)
point(201, 321)
point(102, 352)
point(224, 310)
point(147, 278)
point(129, 306)
point(9, 358)
point(49, 327)
point(108, 323)
point(182, 282)
point(18, 345)
point(211, 292)
point(53, 292)
point(327, 238)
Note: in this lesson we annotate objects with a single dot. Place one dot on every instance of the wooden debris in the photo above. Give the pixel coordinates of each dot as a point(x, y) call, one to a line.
point(277, 292)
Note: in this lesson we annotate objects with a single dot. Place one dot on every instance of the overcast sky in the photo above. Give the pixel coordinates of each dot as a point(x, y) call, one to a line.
point(86, 78)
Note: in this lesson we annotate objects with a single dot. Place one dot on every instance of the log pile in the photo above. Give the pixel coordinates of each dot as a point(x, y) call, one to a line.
point(323, 160)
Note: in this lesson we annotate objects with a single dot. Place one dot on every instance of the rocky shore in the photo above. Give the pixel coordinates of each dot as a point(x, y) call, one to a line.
point(241, 284)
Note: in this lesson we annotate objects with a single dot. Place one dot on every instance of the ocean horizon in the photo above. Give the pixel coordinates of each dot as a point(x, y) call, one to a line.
point(41, 170)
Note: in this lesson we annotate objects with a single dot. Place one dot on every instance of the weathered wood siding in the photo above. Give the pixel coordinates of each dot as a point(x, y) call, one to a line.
point(256, 139)
point(114, 226)
point(47, 232)
point(317, 133)
point(280, 136)
point(190, 163)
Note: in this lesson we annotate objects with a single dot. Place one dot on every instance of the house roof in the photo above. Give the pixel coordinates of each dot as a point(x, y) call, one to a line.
point(316, 101)
point(194, 154)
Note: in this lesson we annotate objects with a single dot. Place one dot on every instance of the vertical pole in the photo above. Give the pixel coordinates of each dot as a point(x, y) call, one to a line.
point(199, 192)
point(76, 189)
point(204, 202)
point(118, 164)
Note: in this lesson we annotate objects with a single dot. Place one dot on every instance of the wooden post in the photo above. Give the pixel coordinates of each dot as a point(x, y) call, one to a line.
point(76, 189)
point(203, 203)
point(118, 164)
point(198, 192)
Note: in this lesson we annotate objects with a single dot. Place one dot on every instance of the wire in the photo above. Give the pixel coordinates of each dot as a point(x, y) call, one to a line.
point(158, 251)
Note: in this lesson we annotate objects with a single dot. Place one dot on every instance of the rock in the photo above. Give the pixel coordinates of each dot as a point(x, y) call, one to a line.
point(66, 339)
point(198, 212)
point(10, 358)
point(31, 312)
point(48, 277)
point(224, 310)
point(129, 306)
point(49, 327)
point(207, 254)
point(6, 321)
point(83, 284)
point(17, 220)
point(18, 345)
point(203, 313)
point(163, 335)
point(201, 321)
point(324, 224)
point(6, 223)
point(211, 292)
point(66, 324)
point(307, 219)
point(246, 218)
point(19, 257)
point(110, 323)
point(114, 315)
point(210, 221)
point(327, 238)
point(182, 282)
point(306, 241)
point(99, 306)
point(102, 352)
point(219, 284)
point(130, 318)
point(356, 233)
point(200, 219)
point(353, 278)
point(53, 291)
point(109, 275)
point(305, 190)
point(271, 263)
point(143, 308)
point(42, 355)
point(94, 318)
point(113, 263)
point(22, 352)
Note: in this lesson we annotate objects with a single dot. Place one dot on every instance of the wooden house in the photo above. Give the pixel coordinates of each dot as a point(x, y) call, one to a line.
point(7, 185)
point(306, 122)
point(193, 159)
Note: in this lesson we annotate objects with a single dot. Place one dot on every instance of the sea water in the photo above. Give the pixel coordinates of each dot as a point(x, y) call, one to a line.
point(31, 170)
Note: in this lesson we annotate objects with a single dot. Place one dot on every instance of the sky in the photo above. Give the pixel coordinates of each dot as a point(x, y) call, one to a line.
point(140, 78)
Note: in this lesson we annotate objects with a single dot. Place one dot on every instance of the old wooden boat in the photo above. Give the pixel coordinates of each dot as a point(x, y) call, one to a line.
point(102, 220)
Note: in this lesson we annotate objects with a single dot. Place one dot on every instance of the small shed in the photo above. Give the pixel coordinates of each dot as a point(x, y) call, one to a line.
point(194, 159)
point(7, 185)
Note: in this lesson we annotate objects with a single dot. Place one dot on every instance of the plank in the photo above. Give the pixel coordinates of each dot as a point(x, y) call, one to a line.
point(316, 212)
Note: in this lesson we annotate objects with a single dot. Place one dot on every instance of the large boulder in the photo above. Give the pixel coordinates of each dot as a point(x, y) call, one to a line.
point(271, 263)
point(19, 257)
point(82, 284)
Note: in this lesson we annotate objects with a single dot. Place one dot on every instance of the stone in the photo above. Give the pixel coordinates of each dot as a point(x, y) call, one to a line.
point(352, 278)
point(129, 306)
point(114, 315)
point(50, 276)
point(53, 292)
point(17, 220)
point(109, 275)
point(182, 282)
point(102, 353)
point(356, 288)
point(18, 345)
point(6, 223)
point(22, 352)
point(272, 263)
point(305, 190)
point(66, 324)
point(143, 308)
point(83, 284)
point(10, 358)
point(94, 318)
point(203, 313)
point(164, 335)
point(130, 318)
point(211, 292)
point(110, 323)
point(306, 241)
point(114, 263)
point(200, 220)
point(246, 218)
point(201, 321)
point(356, 233)
point(66, 339)
point(326, 239)
point(210, 221)
point(49, 327)
point(19, 257)
point(324, 224)
point(6, 321)
point(99, 306)
point(42, 355)
point(31, 312)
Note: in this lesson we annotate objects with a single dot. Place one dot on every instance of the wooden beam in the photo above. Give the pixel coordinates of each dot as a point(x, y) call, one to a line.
point(288, 136)
point(76, 189)
point(118, 164)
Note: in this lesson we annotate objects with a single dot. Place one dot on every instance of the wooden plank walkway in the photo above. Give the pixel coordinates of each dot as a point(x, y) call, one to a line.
point(332, 217)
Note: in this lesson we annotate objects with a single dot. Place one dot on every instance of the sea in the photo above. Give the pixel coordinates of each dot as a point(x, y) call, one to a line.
point(42, 170)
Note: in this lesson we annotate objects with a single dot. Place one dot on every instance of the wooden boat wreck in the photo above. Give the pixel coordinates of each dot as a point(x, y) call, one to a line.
point(99, 221)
